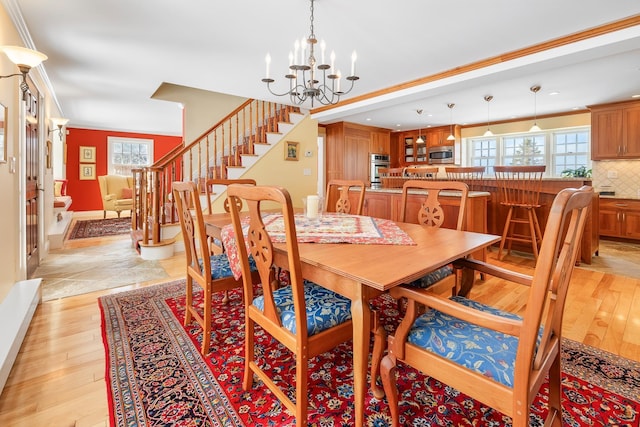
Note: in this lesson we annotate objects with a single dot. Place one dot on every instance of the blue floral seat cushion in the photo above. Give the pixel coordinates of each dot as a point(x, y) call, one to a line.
point(324, 308)
point(479, 349)
point(220, 267)
point(432, 278)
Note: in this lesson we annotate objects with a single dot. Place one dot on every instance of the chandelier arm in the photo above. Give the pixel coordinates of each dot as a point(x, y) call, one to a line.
point(275, 93)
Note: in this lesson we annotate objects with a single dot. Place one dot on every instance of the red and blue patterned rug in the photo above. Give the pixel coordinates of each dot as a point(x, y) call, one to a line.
point(156, 376)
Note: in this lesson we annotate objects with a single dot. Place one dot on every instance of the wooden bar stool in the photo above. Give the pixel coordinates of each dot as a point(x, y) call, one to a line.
point(520, 187)
point(470, 175)
point(392, 177)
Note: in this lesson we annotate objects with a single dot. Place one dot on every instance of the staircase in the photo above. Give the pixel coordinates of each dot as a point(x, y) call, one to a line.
point(226, 150)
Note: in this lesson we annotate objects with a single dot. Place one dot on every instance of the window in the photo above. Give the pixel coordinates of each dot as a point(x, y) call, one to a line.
point(126, 154)
point(523, 150)
point(560, 150)
point(484, 153)
point(571, 151)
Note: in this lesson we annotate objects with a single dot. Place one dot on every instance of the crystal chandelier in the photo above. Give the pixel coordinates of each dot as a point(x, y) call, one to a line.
point(307, 78)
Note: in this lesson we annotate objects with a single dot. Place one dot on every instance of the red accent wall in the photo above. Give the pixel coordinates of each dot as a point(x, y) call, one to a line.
point(86, 193)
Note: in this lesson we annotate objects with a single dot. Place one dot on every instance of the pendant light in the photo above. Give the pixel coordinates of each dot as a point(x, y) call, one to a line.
point(535, 127)
point(451, 136)
point(420, 139)
point(488, 98)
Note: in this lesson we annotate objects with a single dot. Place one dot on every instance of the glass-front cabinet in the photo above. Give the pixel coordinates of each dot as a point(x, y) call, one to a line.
point(415, 149)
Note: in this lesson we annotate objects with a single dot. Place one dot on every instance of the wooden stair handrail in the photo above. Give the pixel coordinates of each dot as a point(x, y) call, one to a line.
point(207, 156)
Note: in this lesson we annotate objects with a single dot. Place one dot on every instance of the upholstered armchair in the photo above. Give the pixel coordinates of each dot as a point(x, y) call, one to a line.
point(117, 193)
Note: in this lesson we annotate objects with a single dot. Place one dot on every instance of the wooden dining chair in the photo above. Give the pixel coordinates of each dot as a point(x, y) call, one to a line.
point(340, 188)
point(493, 356)
point(213, 187)
point(305, 317)
point(209, 271)
point(520, 191)
point(431, 213)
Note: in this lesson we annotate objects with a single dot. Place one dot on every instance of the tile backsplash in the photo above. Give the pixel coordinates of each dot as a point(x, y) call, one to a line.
point(621, 176)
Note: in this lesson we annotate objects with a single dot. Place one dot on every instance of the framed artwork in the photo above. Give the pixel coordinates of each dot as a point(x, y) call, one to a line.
point(87, 154)
point(291, 150)
point(3, 132)
point(87, 172)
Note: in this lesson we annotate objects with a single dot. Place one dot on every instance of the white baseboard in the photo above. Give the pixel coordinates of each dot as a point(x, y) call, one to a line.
point(16, 312)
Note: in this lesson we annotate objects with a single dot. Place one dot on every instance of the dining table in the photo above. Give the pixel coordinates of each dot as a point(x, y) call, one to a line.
point(361, 272)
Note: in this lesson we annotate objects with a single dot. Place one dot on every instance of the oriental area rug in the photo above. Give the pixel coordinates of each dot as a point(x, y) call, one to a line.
point(84, 229)
point(156, 376)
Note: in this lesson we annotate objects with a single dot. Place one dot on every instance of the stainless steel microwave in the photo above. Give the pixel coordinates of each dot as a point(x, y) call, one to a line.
point(441, 154)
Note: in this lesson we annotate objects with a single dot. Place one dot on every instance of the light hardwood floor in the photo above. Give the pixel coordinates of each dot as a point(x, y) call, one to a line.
point(59, 376)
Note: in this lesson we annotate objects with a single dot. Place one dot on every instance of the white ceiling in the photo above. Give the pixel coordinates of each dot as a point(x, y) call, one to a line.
point(107, 58)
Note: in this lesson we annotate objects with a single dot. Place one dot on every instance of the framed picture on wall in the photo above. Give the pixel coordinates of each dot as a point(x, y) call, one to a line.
point(291, 150)
point(87, 172)
point(87, 154)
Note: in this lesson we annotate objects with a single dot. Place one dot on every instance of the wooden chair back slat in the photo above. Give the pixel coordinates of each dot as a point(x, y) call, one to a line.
point(341, 188)
point(210, 185)
point(431, 213)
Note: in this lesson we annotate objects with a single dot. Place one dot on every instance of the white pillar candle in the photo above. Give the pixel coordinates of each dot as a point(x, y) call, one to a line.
point(312, 206)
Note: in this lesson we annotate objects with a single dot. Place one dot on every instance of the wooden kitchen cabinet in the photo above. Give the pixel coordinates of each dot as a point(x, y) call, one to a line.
point(413, 151)
point(615, 131)
point(620, 218)
point(439, 135)
point(348, 146)
point(380, 142)
point(376, 205)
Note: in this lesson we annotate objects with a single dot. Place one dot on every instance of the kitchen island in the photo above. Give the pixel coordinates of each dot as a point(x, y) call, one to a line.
point(387, 203)
point(485, 214)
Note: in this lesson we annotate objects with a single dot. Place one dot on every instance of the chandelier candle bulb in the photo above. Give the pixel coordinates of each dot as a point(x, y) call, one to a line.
point(323, 46)
point(353, 63)
point(267, 59)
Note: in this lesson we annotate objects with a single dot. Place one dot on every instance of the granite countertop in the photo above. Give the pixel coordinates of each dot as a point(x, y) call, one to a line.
point(444, 193)
point(619, 196)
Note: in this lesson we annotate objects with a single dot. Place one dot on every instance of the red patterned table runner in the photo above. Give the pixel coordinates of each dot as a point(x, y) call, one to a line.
point(330, 228)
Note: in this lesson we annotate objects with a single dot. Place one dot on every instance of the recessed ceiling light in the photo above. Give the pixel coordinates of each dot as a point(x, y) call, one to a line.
point(555, 92)
point(576, 108)
point(636, 96)
point(398, 125)
point(368, 119)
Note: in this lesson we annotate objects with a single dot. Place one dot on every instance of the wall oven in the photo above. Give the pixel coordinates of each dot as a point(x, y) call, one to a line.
point(441, 154)
point(377, 161)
